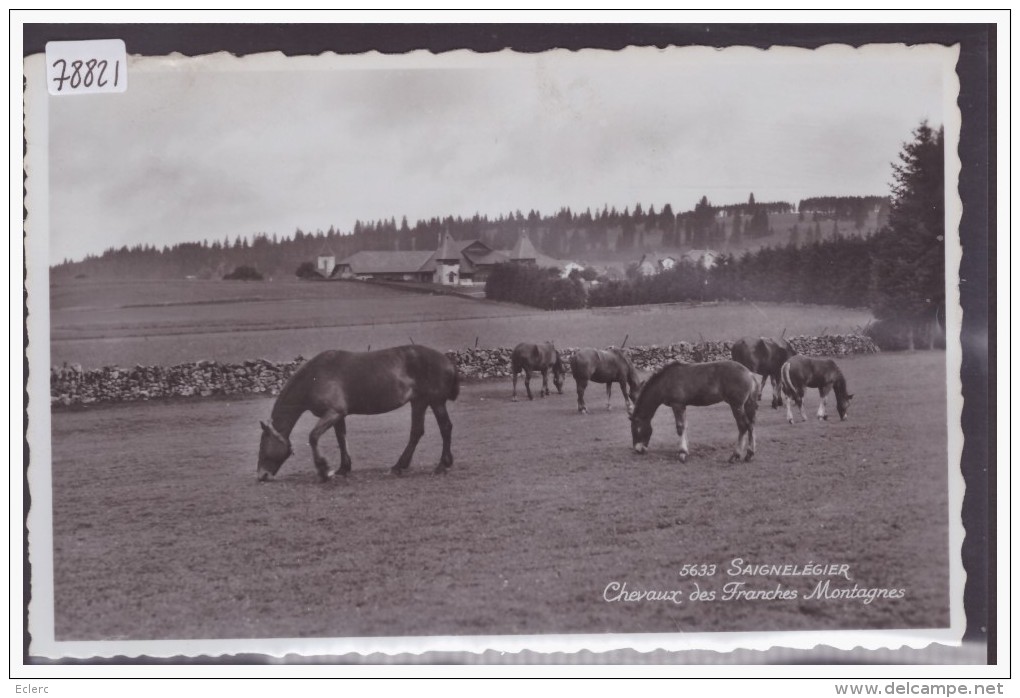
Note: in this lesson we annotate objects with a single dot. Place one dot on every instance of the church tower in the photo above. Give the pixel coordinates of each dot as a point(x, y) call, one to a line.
point(447, 262)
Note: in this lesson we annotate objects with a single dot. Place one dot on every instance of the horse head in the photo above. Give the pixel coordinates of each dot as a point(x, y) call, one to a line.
point(843, 405)
point(274, 449)
point(558, 371)
point(641, 432)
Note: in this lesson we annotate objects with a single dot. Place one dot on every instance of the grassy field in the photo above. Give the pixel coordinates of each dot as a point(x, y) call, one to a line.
point(161, 530)
point(127, 323)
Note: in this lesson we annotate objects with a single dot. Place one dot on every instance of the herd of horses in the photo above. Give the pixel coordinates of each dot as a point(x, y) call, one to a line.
point(335, 384)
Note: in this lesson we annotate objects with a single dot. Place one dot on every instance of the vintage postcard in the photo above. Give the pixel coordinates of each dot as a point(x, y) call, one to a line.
point(653, 349)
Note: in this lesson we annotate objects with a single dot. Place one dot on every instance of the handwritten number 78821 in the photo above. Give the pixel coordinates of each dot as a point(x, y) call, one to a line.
point(94, 73)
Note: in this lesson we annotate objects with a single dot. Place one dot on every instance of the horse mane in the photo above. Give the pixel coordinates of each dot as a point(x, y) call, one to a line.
point(839, 385)
point(646, 389)
point(632, 372)
point(284, 402)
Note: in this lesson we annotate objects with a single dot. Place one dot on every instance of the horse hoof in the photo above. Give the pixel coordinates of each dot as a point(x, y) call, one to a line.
point(825, 418)
point(682, 456)
point(790, 421)
point(513, 399)
point(397, 470)
point(734, 458)
point(749, 456)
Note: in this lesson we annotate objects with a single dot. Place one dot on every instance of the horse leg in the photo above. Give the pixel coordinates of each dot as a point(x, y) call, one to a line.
point(609, 395)
point(581, 383)
point(823, 392)
point(341, 439)
point(446, 429)
point(751, 410)
point(800, 404)
point(790, 399)
point(741, 418)
point(777, 392)
point(326, 422)
point(417, 429)
point(680, 415)
point(761, 385)
point(545, 382)
point(514, 398)
point(527, 382)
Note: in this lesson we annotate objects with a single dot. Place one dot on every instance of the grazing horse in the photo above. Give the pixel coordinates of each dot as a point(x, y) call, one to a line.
point(604, 366)
point(679, 385)
point(802, 372)
point(537, 357)
point(764, 356)
point(335, 384)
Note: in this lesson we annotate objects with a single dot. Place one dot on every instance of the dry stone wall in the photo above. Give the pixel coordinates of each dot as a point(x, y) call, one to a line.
point(71, 385)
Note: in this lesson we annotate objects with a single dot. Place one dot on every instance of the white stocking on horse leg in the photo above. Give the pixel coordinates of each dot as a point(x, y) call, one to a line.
point(324, 424)
point(824, 393)
point(680, 415)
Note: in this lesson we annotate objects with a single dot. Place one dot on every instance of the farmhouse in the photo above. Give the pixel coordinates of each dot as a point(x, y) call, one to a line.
point(652, 263)
point(453, 263)
point(703, 258)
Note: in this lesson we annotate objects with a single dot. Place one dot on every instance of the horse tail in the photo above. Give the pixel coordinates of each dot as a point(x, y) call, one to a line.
point(751, 406)
point(784, 373)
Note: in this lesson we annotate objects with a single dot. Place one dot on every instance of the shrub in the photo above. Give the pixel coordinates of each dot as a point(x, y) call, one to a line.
point(244, 273)
point(306, 270)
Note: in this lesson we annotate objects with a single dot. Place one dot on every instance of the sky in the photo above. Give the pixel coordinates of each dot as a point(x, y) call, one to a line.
point(216, 147)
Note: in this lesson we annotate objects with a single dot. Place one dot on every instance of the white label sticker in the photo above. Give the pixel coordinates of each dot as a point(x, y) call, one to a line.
point(86, 67)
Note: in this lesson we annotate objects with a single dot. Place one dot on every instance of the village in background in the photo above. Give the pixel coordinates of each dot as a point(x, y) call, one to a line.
point(457, 252)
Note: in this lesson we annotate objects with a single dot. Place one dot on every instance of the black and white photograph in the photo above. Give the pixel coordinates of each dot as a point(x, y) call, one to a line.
point(652, 348)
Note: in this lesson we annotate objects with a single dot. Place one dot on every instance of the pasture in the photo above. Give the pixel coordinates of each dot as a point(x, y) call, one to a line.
point(162, 532)
point(170, 322)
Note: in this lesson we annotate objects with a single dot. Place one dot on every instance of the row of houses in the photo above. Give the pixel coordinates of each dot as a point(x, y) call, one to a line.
point(469, 262)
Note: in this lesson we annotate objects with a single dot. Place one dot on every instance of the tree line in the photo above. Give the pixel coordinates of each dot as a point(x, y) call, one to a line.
point(899, 272)
point(834, 272)
point(565, 234)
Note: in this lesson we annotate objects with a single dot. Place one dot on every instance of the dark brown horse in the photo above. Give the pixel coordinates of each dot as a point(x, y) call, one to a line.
point(604, 366)
point(679, 385)
point(335, 384)
point(803, 372)
point(765, 356)
point(537, 357)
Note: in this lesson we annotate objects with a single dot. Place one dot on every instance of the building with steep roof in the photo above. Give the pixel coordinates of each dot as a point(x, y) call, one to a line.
point(447, 262)
point(454, 262)
point(524, 251)
point(325, 262)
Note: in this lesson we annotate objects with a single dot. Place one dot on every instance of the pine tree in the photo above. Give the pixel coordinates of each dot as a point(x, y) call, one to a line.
point(909, 259)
